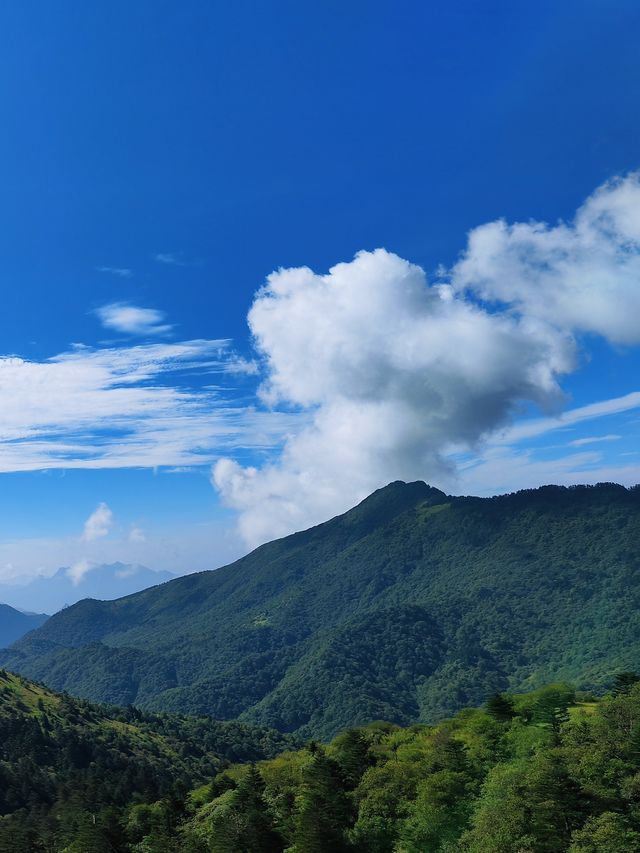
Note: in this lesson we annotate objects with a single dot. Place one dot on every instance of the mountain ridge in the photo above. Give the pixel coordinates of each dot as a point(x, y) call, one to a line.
point(506, 591)
point(15, 623)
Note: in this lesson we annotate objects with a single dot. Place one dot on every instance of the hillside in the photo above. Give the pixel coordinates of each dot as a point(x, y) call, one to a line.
point(550, 771)
point(62, 759)
point(406, 608)
point(15, 624)
point(544, 772)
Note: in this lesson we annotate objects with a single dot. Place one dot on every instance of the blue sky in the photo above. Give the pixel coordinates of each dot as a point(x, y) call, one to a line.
point(160, 160)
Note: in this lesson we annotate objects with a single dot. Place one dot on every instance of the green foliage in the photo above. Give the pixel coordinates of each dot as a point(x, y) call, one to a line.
point(236, 820)
point(474, 784)
point(78, 778)
point(624, 681)
point(555, 775)
point(608, 833)
point(407, 608)
point(500, 707)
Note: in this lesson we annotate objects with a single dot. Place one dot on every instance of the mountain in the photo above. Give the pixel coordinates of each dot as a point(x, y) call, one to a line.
point(104, 582)
point(63, 759)
point(15, 624)
point(408, 607)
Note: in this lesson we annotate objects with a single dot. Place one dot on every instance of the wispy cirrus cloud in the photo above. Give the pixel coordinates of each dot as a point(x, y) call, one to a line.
point(121, 272)
point(498, 470)
point(131, 319)
point(519, 458)
point(593, 439)
point(139, 406)
point(534, 427)
point(171, 259)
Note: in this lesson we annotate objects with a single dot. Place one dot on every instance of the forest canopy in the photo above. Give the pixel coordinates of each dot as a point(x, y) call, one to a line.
point(550, 771)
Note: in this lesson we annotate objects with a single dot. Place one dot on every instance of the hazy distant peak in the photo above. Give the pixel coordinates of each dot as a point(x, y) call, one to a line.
point(104, 581)
point(15, 624)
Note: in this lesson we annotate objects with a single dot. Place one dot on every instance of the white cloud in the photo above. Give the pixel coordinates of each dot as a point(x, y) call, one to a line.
point(132, 320)
point(506, 469)
point(121, 272)
point(98, 524)
point(581, 276)
point(119, 407)
point(170, 258)
point(136, 534)
point(533, 427)
point(392, 372)
point(593, 439)
point(176, 548)
point(79, 570)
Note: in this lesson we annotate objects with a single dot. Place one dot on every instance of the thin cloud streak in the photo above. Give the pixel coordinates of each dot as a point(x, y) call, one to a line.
point(171, 259)
point(121, 272)
point(539, 426)
point(507, 469)
point(593, 439)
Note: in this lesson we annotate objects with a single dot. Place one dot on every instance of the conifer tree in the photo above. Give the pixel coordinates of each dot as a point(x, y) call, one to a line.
point(323, 812)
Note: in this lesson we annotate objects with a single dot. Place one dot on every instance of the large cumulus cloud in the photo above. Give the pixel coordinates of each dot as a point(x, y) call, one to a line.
point(392, 370)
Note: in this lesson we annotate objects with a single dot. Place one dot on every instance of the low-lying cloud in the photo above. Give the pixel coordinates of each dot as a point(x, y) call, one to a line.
point(393, 371)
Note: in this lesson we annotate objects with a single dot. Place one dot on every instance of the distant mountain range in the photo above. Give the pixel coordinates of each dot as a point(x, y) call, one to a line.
point(104, 582)
point(410, 606)
point(15, 624)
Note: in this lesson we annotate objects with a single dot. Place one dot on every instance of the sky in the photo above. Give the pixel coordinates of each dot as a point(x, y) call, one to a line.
point(258, 259)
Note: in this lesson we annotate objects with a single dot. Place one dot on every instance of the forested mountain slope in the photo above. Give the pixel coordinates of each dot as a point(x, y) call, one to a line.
point(15, 624)
point(408, 607)
point(544, 772)
point(550, 771)
point(63, 760)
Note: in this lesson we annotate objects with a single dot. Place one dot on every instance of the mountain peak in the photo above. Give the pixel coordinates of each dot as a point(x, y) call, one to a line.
point(402, 609)
point(393, 499)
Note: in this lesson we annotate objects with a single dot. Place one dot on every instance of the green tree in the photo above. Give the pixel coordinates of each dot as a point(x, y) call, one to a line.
point(623, 682)
point(323, 812)
point(438, 815)
point(526, 805)
point(608, 833)
point(500, 707)
point(351, 751)
point(238, 821)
